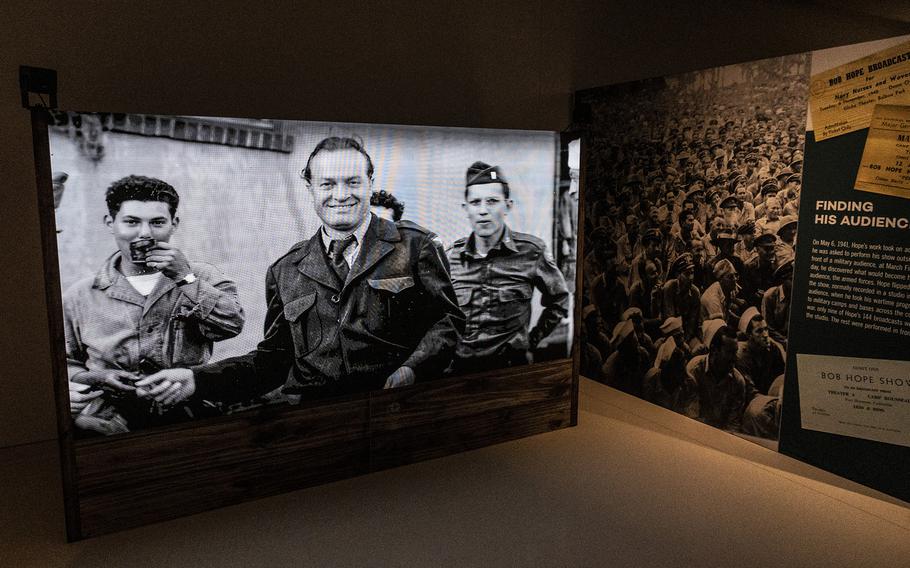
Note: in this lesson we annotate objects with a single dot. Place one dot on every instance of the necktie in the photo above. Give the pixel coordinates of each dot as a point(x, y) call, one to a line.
point(336, 256)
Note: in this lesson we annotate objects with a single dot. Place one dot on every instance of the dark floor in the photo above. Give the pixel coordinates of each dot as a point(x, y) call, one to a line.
point(632, 485)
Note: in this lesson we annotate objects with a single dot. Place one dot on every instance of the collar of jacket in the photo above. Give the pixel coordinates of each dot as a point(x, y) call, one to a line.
point(505, 242)
point(378, 241)
point(115, 284)
point(108, 273)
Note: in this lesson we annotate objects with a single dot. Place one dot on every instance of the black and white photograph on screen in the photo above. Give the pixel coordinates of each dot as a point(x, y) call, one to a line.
point(691, 201)
point(212, 265)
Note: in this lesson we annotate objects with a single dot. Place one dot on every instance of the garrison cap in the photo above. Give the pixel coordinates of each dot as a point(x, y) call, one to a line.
point(723, 268)
point(481, 173)
point(671, 325)
point(630, 313)
point(710, 329)
point(787, 221)
point(695, 191)
point(783, 174)
point(633, 179)
point(770, 185)
point(621, 331)
point(750, 314)
point(783, 272)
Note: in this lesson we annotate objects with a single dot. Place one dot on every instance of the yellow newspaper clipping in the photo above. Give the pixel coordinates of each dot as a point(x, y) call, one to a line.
point(842, 99)
point(885, 166)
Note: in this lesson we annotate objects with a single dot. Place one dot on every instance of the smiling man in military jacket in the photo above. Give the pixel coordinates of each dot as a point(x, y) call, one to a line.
point(364, 304)
point(495, 271)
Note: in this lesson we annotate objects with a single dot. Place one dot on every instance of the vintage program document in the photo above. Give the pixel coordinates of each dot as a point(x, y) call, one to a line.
point(842, 99)
point(862, 398)
point(885, 167)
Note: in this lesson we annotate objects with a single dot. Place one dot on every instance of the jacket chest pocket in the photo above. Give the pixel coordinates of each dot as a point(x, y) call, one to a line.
point(187, 345)
point(464, 293)
point(303, 319)
point(509, 301)
point(395, 297)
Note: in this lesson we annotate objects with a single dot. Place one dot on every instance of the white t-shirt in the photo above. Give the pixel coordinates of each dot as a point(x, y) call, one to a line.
point(145, 283)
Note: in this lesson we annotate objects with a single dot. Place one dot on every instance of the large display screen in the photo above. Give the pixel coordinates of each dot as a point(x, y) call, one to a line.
point(213, 265)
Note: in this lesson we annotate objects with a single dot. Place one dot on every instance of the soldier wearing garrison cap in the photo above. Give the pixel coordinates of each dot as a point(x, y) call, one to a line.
point(731, 208)
point(745, 244)
point(775, 303)
point(758, 274)
point(723, 392)
point(629, 245)
point(759, 358)
point(625, 368)
point(725, 239)
point(719, 301)
point(652, 251)
point(495, 272)
point(667, 383)
point(741, 190)
point(682, 299)
point(790, 194)
point(603, 259)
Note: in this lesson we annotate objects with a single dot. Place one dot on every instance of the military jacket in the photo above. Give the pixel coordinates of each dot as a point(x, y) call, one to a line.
point(323, 337)
point(495, 293)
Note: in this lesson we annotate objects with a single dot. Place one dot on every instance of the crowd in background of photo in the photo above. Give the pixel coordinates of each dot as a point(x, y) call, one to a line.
point(691, 201)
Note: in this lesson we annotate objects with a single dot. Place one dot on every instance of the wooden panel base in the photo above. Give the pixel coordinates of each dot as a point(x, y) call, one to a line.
point(162, 475)
point(441, 419)
point(136, 479)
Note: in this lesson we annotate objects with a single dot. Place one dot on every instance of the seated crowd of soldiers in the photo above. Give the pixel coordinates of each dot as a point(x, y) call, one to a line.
point(689, 264)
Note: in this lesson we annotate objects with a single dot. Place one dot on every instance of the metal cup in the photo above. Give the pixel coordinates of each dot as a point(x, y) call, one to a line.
point(140, 249)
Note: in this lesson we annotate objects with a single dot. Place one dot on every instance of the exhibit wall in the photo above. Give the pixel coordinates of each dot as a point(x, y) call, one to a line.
point(690, 228)
point(745, 236)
